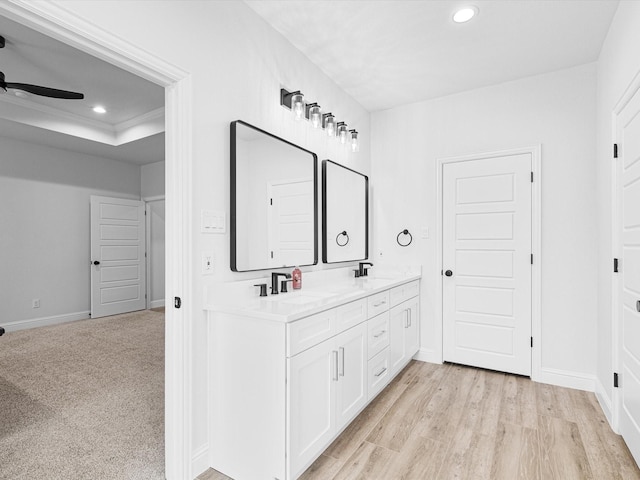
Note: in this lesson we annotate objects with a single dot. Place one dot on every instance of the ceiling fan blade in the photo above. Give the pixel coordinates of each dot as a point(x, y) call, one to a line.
point(46, 91)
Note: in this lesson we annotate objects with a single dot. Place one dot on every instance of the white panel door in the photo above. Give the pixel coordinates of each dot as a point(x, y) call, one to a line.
point(628, 126)
point(291, 223)
point(486, 250)
point(118, 267)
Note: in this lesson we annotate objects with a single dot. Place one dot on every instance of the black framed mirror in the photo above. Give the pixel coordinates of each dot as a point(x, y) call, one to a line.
point(345, 214)
point(274, 201)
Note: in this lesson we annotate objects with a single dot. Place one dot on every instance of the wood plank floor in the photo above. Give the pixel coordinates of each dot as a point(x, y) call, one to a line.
point(456, 422)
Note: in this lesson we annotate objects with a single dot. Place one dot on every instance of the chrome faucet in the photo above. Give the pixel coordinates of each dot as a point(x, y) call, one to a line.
point(274, 281)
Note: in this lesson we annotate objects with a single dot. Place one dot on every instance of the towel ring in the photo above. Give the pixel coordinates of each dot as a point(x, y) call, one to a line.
point(404, 232)
point(343, 233)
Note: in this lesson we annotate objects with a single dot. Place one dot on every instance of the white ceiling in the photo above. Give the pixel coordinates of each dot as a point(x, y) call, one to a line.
point(132, 130)
point(388, 53)
point(383, 53)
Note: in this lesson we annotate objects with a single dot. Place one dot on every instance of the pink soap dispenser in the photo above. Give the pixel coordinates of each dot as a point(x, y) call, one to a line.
point(296, 276)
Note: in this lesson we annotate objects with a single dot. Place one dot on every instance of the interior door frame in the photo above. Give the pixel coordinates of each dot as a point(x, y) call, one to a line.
point(614, 405)
point(57, 22)
point(147, 226)
point(536, 241)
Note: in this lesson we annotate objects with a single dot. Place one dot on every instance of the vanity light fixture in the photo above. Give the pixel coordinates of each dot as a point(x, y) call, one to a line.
point(465, 14)
point(99, 109)
point(294, 101)
point(343, 132)
point(329, 124)
point(314, 114)
point(355, 147)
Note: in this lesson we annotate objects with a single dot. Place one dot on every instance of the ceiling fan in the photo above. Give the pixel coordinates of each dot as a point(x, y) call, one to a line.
point(35, 89)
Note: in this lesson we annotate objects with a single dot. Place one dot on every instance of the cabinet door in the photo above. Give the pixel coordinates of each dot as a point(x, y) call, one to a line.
point(351, 393)
point(398, 317)
point(411, 331)
point(311, 392)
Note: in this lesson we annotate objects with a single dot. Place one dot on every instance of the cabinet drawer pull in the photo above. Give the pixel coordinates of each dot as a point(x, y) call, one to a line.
point(335, 362)
point(379, 303)
point(384, 369)
point(379, 334)
point(342, 357)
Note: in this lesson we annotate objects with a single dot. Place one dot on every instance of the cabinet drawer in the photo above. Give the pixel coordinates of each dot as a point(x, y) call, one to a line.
point(378, 334)
point(378, 303)
point(310, 331)
point(404, 292)
point(379, 373)
point(350, 315)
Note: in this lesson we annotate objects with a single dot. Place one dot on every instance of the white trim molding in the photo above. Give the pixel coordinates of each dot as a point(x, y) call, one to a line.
point(606, 402)
point(536, 242)
point(45, 321)
point(52, 19)
point(568, 379)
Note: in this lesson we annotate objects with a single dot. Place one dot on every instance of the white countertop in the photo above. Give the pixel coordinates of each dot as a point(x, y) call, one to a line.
point(297, 304)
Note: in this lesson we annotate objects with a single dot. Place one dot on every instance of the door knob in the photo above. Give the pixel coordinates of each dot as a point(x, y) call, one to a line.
point(448, 273)
point(96, 262)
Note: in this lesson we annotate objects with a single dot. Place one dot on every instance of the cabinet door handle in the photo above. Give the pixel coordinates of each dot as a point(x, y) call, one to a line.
point(409, 312)
point(335, 363)
point(384, 369)
point(379, 334)
point(406, 318)
point(342, 363)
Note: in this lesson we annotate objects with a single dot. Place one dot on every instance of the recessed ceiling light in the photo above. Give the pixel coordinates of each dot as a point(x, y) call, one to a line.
point(99, 109)
point(465, 14)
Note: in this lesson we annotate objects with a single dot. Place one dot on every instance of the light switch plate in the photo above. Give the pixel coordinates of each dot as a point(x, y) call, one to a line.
point(207, 263)
point(213, 221)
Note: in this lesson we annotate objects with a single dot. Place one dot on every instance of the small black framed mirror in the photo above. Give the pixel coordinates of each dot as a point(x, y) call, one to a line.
point(345, 214)
point(274, 201)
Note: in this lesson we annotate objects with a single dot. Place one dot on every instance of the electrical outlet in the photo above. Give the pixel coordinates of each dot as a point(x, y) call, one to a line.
point(35, 303)
point(207, 263)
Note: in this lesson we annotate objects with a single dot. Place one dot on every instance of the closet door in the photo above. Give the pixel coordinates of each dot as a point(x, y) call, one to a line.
point(628, 189)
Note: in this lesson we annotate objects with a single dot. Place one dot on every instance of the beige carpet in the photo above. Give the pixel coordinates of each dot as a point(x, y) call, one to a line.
point(84, 400)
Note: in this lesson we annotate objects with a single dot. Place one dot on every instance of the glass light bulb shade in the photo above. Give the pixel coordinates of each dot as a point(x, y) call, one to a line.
point(343, 133)
point(315, 115)
point(297, 106)
point(355, 147)
point(330, 126)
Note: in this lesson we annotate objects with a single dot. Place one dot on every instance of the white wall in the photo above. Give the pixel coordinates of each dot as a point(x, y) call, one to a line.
point(556, 110)
point(238, 64)
point(618, 64)
point(44, 234)
point(152, 179)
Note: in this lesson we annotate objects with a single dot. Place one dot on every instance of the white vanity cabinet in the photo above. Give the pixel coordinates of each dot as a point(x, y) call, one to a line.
point(282, 390)
point(326, 390)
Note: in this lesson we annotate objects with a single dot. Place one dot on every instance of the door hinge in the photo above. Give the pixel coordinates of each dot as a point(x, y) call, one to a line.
point(177, 302)
point(532, 259)
point(615, 150)
point(271, 201)
point(615, 265)
point(531, 342)
point(272, 254)
point(616, 382)
point(531, 177)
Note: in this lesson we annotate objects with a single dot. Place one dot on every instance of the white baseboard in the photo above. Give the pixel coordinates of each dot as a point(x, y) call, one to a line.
point(156, 303)
point(45, 321)
point(427, 355)
point(605, 402)
point(568, 379)
point(200, 460)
